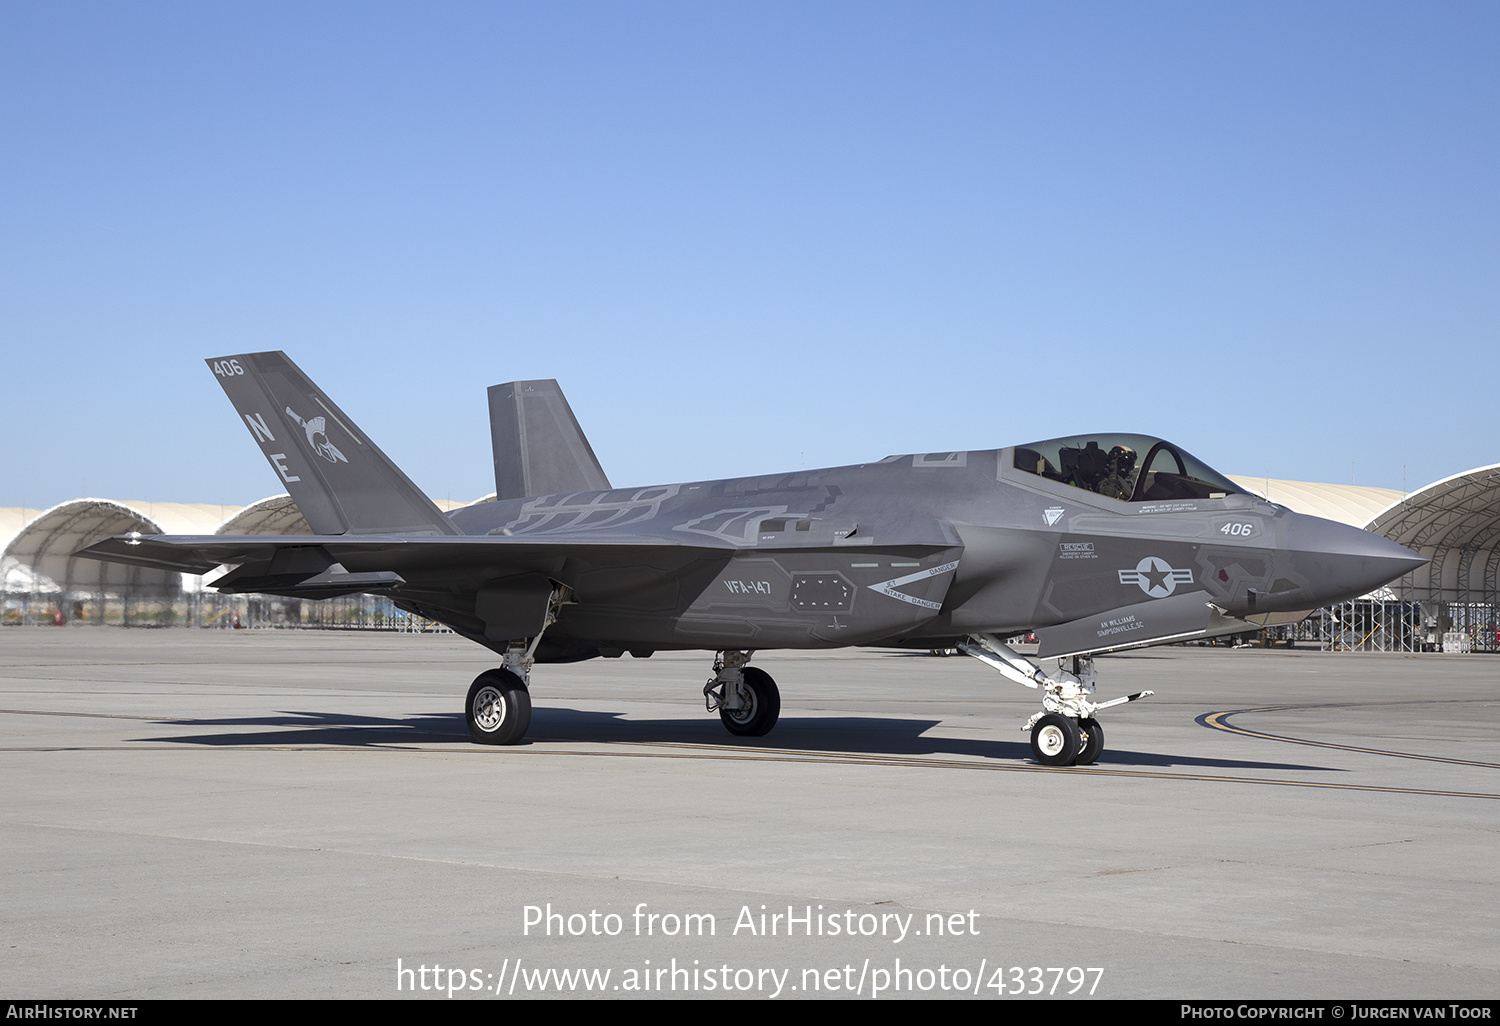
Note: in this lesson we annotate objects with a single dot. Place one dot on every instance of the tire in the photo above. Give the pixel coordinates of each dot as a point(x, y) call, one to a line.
point(1055, 740)
point(1093, 742)
point(756, 719)
point(498, 708)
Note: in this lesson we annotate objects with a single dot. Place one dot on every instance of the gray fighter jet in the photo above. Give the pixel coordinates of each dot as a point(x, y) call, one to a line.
point(1096, 542)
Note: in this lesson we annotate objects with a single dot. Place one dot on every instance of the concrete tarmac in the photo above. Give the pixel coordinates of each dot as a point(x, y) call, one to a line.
point(214, 814)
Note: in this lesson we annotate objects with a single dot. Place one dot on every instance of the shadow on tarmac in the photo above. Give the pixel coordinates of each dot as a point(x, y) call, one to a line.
point(833, 735)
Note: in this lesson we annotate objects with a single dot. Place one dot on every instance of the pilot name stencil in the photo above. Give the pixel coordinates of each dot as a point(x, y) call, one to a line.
point(1119, 626)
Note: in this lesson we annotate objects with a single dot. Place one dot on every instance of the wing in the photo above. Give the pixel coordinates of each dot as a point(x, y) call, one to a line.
point(489, 588)
point(703, 591)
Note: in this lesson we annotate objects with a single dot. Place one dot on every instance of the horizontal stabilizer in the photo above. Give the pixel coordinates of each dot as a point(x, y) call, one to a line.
point(539, 447)
point(303, 572)
point(319, 586)
point(340, 480)
point(1175, 618)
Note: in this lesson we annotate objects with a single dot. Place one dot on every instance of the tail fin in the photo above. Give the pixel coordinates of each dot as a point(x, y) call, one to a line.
point(539, 447)
point(340, 481)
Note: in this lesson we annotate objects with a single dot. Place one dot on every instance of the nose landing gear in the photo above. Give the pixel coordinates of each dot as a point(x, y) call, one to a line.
point(1065, 732)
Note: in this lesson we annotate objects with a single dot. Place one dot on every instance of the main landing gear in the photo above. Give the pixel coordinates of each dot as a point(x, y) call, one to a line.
point(498, 708)
point(499, 704)
point(1065, 732)
point(746, 698)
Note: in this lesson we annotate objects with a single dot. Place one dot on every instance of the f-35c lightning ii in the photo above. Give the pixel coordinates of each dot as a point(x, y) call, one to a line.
point(1096, 542)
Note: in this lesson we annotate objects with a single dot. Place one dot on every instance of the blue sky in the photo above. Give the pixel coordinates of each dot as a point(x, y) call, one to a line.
point(748, 237)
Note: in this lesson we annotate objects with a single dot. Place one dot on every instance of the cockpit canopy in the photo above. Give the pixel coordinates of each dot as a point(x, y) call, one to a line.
point(1130, 468)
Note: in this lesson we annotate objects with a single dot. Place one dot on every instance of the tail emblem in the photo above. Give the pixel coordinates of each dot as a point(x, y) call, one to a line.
point(317, 438)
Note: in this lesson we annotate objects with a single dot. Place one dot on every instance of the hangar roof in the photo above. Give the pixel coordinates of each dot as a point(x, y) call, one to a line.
point(1462, 511)
point(1355, 505)
point(275, 514)
point(12, 519)
point(1455, 523)
point(42, 550)
point(278, 514)
point(37, 546)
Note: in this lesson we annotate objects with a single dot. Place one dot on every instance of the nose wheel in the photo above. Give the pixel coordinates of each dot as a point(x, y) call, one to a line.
point(1092, 744)
point(1056, 740)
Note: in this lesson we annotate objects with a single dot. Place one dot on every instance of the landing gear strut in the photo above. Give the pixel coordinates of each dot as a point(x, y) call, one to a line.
point(746, 698)
point(1065, 732)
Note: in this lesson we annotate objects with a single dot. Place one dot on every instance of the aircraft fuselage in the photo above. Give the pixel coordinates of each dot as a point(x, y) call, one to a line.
point(915, 550)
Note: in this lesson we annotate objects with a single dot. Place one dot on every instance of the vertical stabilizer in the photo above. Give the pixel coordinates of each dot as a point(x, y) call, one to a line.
point(340, 480)
point(539, 447)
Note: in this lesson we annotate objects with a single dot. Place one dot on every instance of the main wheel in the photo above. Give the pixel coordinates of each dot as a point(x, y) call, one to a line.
point(760, 712)
point(1093, 742)
point(1055, 740)
point(498, 708)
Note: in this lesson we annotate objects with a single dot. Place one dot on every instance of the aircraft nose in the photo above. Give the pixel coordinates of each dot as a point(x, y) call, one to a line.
point(1340, 562)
